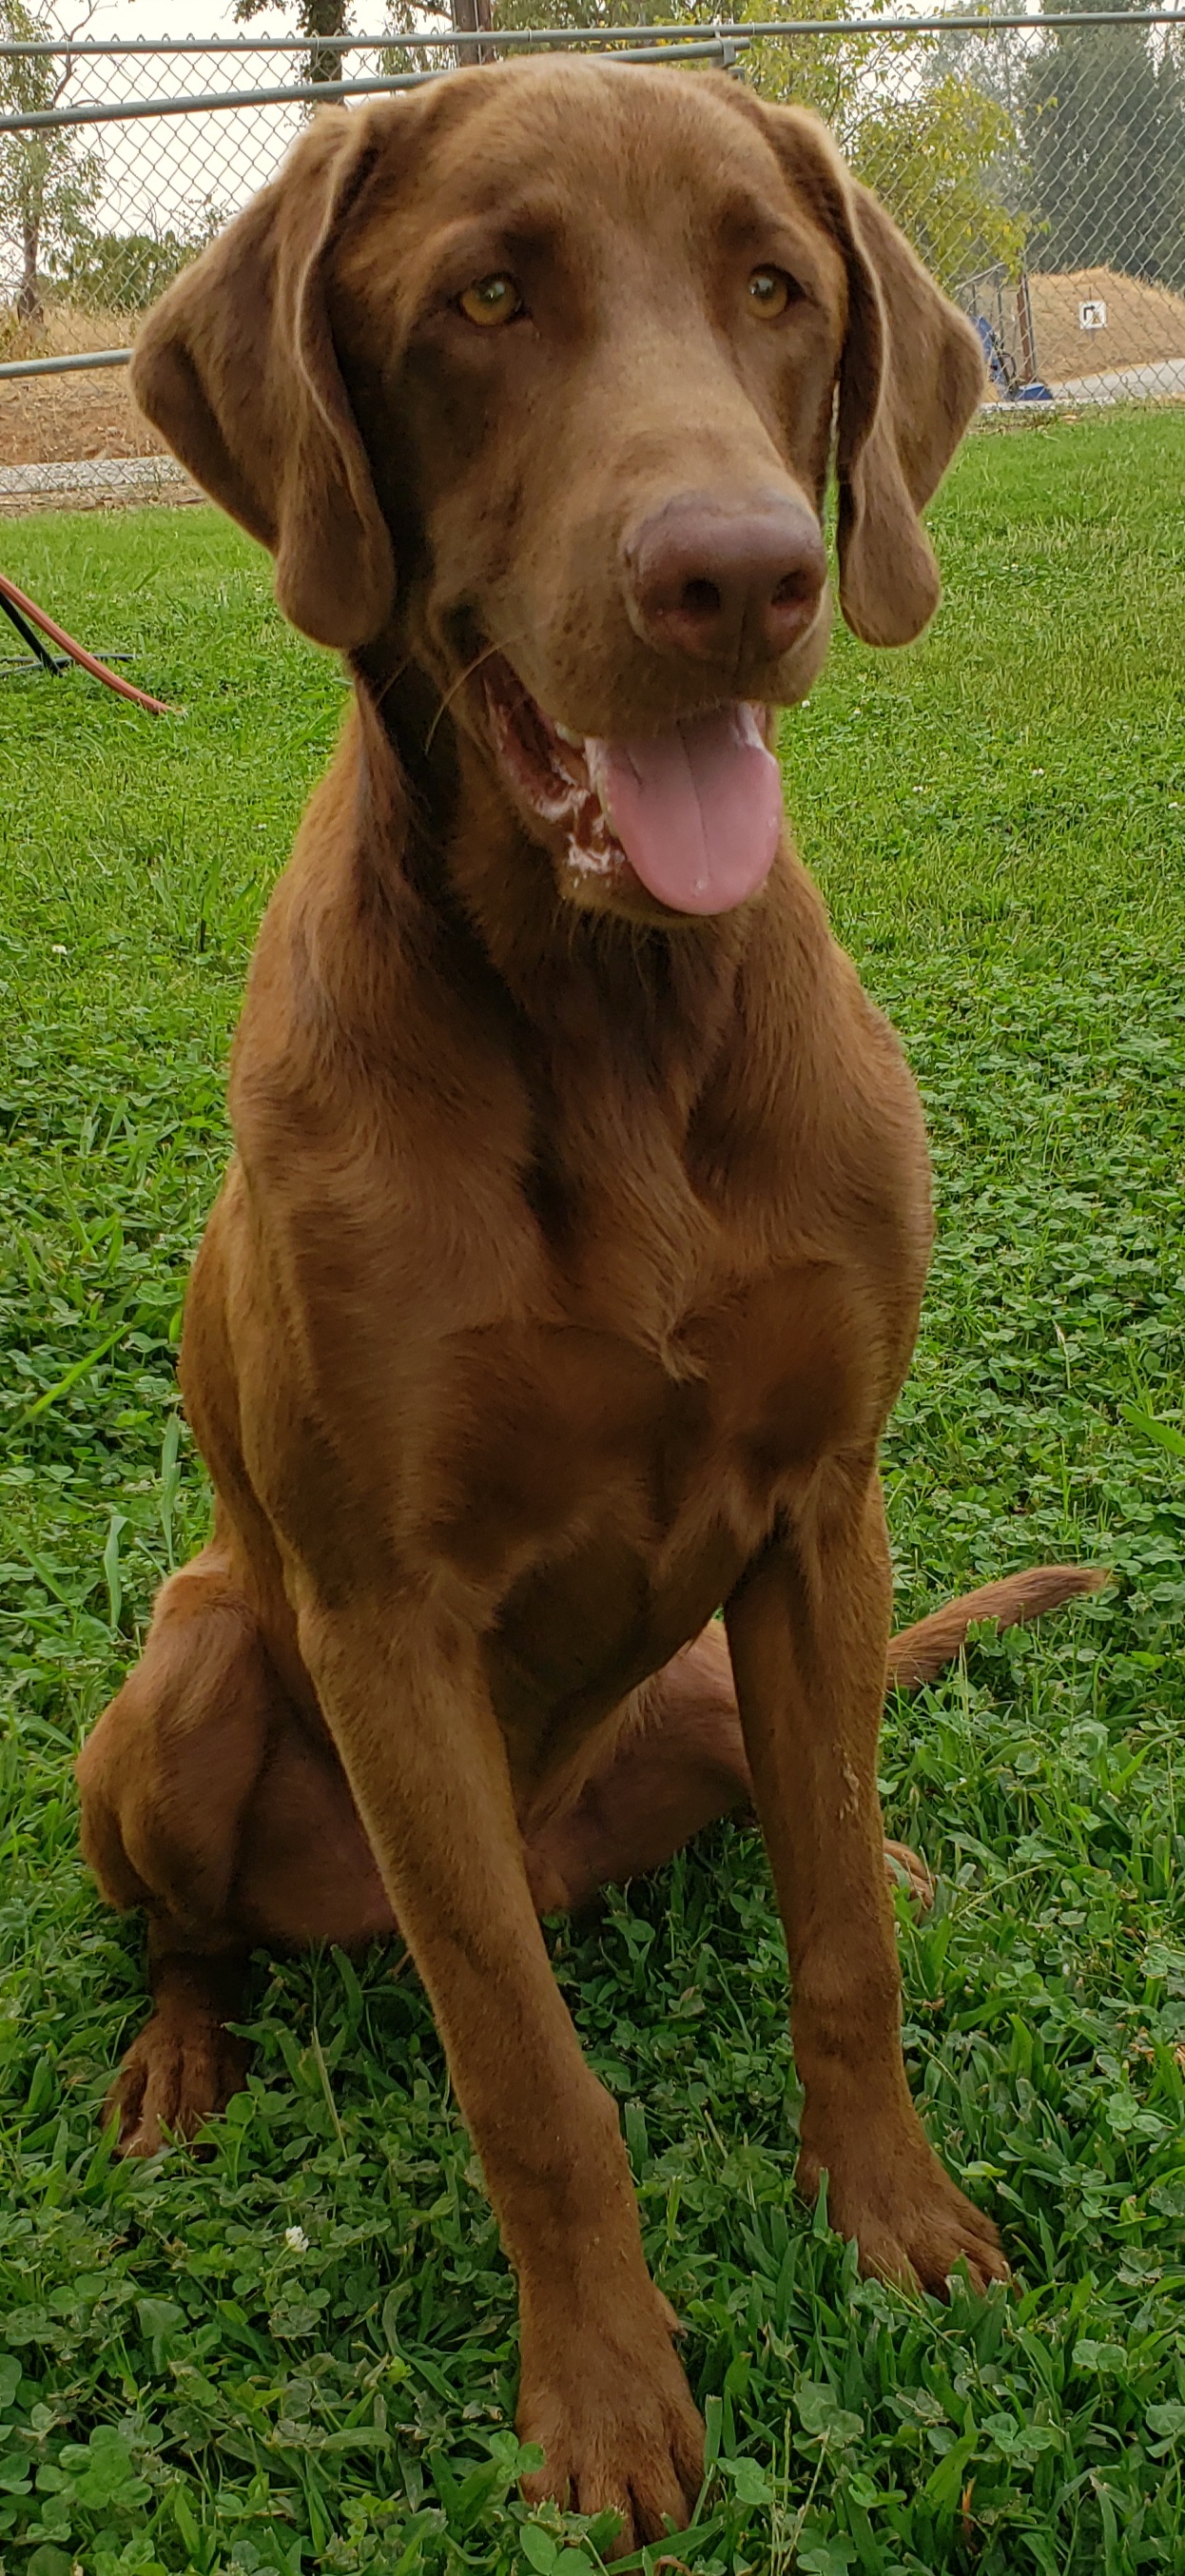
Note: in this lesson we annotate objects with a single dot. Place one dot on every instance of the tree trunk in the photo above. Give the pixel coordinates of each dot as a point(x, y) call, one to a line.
point(28, 297)
point(474, 17)
point(324, 18)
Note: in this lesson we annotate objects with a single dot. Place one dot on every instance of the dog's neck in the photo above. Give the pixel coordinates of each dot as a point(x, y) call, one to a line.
point(658, 1069)
point(659, 1085)
point(436, 825)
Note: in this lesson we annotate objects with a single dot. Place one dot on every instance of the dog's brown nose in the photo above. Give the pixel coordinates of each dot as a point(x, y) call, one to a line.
point(720, 584)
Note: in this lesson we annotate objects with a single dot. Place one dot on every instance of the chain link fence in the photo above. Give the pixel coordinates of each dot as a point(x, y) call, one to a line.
point(1038, 164)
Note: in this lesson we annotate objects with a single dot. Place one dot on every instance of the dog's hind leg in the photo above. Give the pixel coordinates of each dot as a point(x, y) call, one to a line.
point(185, 2063)
point(681, 1764)
point(165, 1779)
point(215, 1803)
point(210, 1801)
point(678, 1765)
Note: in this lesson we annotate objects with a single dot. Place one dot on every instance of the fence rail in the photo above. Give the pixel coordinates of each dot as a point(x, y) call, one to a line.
point(503, 40)
point(1038, 163)
point(318, 93)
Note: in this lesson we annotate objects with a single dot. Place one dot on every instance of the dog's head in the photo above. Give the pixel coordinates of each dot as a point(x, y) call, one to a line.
point(538, 374)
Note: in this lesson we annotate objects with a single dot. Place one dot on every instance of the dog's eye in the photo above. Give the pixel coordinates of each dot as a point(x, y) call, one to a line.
point(770, 291)
point(492, 300)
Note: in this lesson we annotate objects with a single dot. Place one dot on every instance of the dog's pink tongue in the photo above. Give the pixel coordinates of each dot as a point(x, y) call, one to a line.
point(698, 810)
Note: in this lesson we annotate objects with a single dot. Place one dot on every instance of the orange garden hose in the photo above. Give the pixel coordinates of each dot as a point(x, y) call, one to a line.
point(78, 653)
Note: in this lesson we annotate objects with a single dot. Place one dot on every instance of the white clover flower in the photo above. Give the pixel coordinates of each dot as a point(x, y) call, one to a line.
point(296, 2240)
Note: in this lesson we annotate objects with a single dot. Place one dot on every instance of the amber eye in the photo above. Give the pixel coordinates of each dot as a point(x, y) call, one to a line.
point(770, 291)
point(492, 300)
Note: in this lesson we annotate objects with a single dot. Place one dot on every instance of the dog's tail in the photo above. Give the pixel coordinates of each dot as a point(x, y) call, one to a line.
point(918, 1653)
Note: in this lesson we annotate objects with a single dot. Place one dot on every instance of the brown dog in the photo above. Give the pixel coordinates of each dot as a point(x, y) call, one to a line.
point(570, 1258)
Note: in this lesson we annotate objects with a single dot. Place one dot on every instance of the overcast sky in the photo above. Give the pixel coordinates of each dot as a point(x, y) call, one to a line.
point(182, 18)
point(179, 18)
point(159, 173)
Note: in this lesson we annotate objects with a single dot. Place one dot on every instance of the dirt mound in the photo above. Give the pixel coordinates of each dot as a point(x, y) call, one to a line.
point(1144, 323)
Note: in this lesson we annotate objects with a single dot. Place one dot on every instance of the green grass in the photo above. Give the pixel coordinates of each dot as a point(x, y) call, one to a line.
point(998, 821)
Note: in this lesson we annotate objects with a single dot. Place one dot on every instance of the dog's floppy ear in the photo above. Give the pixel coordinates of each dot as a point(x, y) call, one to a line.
point(910, 379)
point(236, 367)
point(911, 374)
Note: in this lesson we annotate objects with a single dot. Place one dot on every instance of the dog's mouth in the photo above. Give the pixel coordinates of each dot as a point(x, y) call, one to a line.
point(694, 811)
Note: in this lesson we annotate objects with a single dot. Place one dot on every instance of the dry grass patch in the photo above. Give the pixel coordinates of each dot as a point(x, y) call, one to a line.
point(58, 419)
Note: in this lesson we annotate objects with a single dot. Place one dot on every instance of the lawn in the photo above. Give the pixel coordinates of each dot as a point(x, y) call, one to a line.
point(298, 2352)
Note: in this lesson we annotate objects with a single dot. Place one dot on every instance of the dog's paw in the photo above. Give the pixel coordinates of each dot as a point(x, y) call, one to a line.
point(911, 2223)
point(906, 1868)
point(614, 2417)
point(179, 2072)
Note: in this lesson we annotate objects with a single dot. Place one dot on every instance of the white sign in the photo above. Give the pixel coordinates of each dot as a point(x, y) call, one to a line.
point(1092, 317)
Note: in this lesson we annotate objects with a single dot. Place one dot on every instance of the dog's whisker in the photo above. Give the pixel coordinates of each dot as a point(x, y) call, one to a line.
point(459, 683)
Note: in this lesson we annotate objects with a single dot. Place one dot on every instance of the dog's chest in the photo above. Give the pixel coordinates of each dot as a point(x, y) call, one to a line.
point(604, 1497)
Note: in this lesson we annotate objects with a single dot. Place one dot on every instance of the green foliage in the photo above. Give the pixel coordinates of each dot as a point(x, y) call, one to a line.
point(829, 75)
point(187, 2389)
point(932, 161)
point(596, 14)
point(125, 272)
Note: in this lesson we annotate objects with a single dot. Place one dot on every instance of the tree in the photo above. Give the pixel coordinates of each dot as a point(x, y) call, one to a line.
point(321, 20)
point(48, 183)
point(1104, 133)
point(932, 160)
point(125, 272)
point(812, 70)
point(315, 19)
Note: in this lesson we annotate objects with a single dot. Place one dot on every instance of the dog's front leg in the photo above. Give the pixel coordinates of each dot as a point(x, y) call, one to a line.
point(808, 1629)
point(406, 1699)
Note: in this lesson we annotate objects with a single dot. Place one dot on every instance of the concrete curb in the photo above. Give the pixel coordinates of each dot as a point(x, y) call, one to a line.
point(93, 483)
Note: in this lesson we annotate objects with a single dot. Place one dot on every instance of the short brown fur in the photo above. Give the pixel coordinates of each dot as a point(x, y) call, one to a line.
point(570, 1257)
